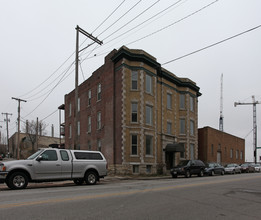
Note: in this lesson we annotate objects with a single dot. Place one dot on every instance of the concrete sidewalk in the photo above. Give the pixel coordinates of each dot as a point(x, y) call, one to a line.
point(110, 178)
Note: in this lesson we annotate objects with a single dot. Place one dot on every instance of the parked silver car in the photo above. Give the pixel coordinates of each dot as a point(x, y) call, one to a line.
point(257, 167)
point(232, 168)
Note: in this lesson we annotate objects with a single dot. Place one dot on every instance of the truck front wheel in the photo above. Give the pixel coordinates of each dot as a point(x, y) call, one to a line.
point(90, 178)
point(17, 180)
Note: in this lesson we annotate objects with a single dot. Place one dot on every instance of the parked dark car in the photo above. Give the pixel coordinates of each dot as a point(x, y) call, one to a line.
point(214, 168)
point(188, 168)
point(247, 168)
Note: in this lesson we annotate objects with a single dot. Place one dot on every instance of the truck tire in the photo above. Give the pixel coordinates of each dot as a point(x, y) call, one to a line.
point(90, 178)
point(17, 180)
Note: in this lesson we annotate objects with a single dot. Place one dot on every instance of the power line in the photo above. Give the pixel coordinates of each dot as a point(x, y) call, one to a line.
point(48, 94)
point(133, 19)
point(173, 23)
point(120, 18)
point(212, 45)
point(109, 15)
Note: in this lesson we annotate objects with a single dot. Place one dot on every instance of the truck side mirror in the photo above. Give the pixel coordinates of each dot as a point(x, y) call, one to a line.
point(39, 158)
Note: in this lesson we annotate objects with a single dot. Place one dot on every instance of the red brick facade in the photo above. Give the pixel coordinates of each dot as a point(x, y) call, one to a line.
point(134, 146)
point(218, 146)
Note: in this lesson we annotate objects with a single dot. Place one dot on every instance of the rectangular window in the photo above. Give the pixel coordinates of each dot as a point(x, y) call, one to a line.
point(191, 103)
point(134, 144)
point(169, 127)
point(148, 115)
point(148, 84)
point(148, 168)
point(169, 101)
point(70, 109)
point(87, 156)
point(64, 155)
point(70, 131)
point(149, 145)
point(89, 97)
point(89, 124)
point(212, 150)
point(182, 126)
point(98, 120)
point(135, 169)
point(99, 92)
point(241, 155)
point(192, 151)
point(134, 112)
point(79, 104)
point(78, 128)
point(192, 128)
point(99, 145)
point(134, 80)
point(182, 154)
point(89, 145)
point(237, 154)
point(231, 153)
point(182, 101)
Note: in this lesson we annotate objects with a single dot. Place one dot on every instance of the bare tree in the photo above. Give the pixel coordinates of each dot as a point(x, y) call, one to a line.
point(34, 131)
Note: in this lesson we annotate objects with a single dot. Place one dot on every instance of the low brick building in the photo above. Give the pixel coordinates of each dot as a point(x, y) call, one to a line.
point(221, 147)
point(142, 117)
point(26, 148)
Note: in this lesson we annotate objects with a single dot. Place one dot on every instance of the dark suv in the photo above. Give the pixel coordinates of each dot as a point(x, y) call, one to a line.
point(188, 168)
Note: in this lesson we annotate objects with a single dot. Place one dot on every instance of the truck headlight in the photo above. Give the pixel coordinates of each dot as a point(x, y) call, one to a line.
point(2, 167)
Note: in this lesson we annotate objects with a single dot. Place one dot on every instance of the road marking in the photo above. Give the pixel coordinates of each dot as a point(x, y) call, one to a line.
point(106, 195)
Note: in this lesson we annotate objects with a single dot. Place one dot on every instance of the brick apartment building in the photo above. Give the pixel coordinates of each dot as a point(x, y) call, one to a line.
point(142, 117)
point(218, 146)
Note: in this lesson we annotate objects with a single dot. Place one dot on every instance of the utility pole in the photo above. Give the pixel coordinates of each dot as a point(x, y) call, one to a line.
point(254, 103)
point(221, 118)
point(18, 119)
point(76, 110)
point(7, 131)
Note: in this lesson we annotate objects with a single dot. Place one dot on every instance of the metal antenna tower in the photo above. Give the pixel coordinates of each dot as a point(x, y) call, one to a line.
point(254, 103)
point(221, 118)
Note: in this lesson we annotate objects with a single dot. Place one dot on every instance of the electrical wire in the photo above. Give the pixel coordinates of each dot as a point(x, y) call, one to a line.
point(120, 18)
point(155, 32)
point(48, 94)
point(109, 16)
point(132, 19)
point(212, 45)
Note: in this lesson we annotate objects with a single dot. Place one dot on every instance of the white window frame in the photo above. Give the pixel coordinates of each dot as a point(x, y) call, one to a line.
point(182, 101)
point(89, 97)
point(134, 112)
point(149, 115)
point(78, 128)
point(134, 80)
point(148, 82)
point(169, 101)
point(134, 144)
point(182, 126)
point(98, 120)
point(99, 92)
point(89, 124)
point(149, 149)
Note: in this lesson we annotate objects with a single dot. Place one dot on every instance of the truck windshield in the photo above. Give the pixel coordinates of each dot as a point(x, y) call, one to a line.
point(35, 155)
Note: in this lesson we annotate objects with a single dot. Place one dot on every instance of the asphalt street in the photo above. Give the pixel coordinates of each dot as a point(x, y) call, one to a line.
point(218, 197)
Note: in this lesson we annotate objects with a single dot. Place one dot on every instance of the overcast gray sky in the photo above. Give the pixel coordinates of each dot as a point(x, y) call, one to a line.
point(37, 37)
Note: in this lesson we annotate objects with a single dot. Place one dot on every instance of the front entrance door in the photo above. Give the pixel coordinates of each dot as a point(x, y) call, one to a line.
point(170, 160)
point(219, 157)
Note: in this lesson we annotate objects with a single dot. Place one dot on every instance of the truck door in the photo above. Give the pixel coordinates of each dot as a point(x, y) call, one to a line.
point(48, 166)
point(66, 164)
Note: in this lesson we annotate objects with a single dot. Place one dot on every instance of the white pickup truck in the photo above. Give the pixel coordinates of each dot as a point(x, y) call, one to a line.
point(52, 164)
